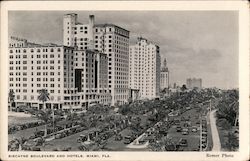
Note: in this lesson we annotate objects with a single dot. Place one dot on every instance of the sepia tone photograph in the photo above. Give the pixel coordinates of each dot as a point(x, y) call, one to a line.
point(114, 81)
point(92, 83)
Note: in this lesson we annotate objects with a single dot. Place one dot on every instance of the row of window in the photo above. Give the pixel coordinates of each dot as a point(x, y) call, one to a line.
point(37, 50)
point(18, 97)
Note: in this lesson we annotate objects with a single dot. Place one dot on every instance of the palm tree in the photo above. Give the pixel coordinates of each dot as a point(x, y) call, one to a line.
point(43, 96)
point(19, 143)
point(11, 98)
point(45, 115)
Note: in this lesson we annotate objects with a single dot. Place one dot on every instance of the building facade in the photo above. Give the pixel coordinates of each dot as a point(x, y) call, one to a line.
point(33, 67)
point(164, 76)
point(91, 77)
point(194, 83)
point(109, 39)
point(145, 68)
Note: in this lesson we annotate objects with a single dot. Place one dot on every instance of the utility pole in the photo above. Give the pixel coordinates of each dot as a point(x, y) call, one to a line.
point(200, 132)
point(210, 105)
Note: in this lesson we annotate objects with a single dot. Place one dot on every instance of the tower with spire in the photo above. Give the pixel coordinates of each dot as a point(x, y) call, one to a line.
point(164, 75)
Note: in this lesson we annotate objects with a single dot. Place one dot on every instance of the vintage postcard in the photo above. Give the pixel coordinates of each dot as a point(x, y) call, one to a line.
point(145, 80)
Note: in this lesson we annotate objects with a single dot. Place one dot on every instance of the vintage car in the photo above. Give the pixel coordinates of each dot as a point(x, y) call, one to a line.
point(183, 142)
point(178, 129)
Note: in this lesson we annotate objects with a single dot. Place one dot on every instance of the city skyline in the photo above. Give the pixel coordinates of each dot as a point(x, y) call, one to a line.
point(192, 48)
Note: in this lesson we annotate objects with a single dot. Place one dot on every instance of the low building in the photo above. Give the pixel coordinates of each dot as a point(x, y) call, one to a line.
point(194, 83)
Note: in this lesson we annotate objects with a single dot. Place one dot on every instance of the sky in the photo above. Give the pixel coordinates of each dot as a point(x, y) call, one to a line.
point(201, 44)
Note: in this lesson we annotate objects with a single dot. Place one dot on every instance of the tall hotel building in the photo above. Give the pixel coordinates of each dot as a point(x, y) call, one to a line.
point(107, 39)
point(33, 67)
point(145, 68)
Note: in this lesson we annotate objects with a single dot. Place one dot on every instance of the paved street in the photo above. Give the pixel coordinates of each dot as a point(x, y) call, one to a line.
point(214, 131)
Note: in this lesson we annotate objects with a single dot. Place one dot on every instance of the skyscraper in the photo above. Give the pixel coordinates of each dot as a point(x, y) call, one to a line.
point(109, 39)
point(145, 68)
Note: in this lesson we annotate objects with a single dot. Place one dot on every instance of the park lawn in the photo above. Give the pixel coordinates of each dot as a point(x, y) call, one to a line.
point(12, 120)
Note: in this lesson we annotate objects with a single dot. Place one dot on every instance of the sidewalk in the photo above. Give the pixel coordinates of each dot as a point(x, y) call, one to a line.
point(214, 131)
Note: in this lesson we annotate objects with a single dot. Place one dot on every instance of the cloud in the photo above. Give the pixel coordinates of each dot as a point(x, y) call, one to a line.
point(195, 43)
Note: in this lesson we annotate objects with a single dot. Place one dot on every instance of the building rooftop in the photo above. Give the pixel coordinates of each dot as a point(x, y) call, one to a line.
point(109, 24)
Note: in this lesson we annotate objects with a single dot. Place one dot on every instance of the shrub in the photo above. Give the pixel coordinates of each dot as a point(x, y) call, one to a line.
point(223, 123)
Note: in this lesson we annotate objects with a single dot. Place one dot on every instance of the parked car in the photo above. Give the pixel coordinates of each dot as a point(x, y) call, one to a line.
point(185, 131)
point(194, 129)
point(183, 142)
point(127, 139)
point(178, 129)
point(204, 133)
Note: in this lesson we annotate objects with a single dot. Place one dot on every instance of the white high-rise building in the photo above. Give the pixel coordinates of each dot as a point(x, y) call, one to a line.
point(73, 78)
point(145, 68)
point(109, 39)
point(33, 67)
point(91, 77)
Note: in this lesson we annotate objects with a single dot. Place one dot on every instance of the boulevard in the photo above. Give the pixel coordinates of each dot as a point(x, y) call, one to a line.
point(184, 121)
